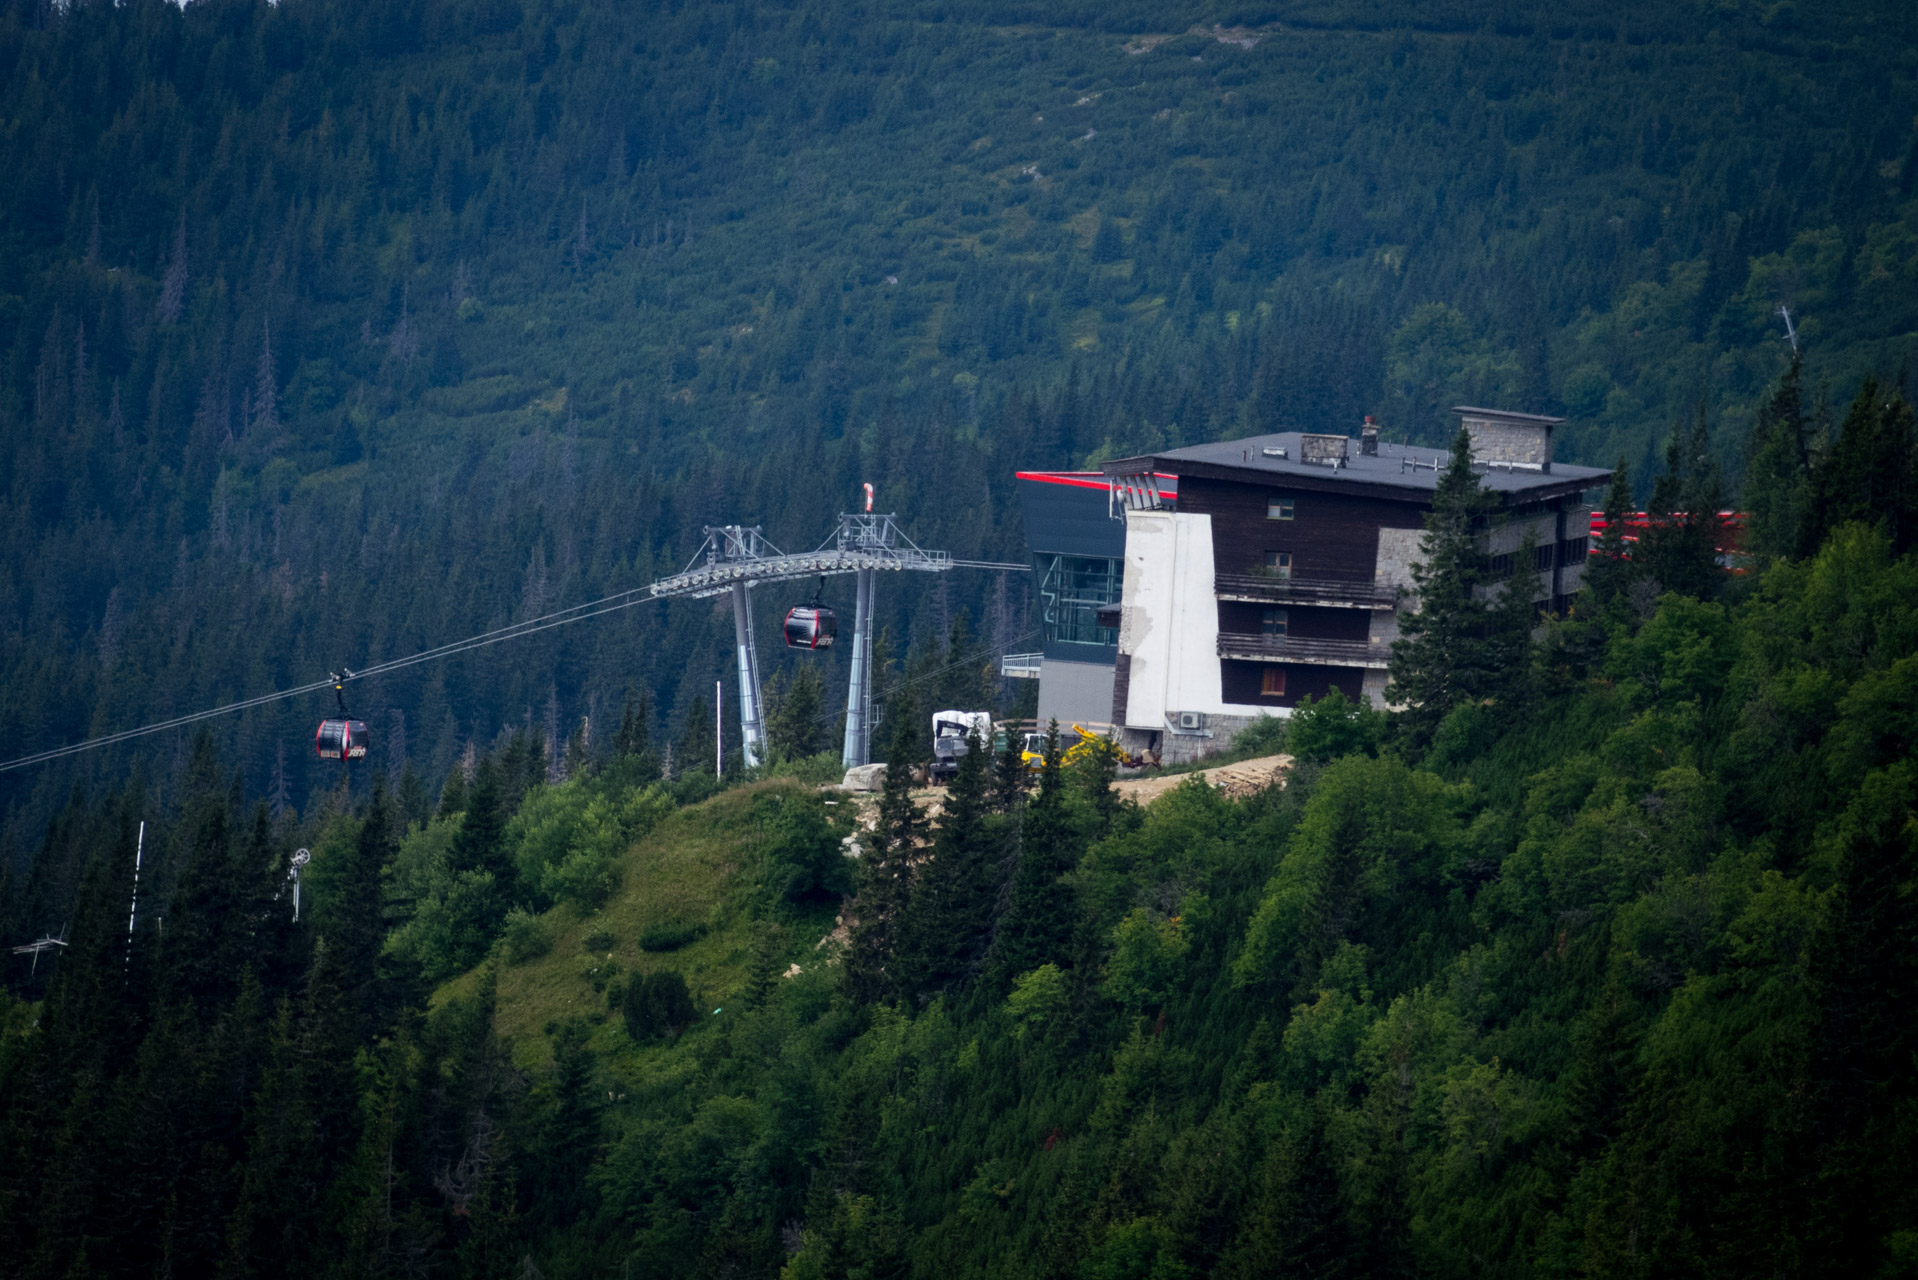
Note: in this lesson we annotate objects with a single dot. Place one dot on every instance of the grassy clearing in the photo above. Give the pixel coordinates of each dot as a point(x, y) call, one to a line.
point(700, 865)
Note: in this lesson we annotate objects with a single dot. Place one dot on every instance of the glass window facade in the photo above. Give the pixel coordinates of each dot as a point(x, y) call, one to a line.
point(1072, 590)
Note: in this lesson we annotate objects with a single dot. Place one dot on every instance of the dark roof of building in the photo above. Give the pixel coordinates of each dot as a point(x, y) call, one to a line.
point(1405, 472)
point(1476, 412)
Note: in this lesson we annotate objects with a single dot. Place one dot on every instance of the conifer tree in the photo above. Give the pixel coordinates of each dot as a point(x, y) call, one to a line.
point(1037, 928)
point(1609, 569)
point(885, 878)
point(955, 897)
point(1009, 773)
point(1679, 548)
point(1777, 488)
point(351, 922)
point(1444, 655)
point(800, 729)
point(1870, 474)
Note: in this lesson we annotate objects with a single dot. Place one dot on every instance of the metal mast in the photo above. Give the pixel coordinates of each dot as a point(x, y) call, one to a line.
point(735, 544)
point(736, 558)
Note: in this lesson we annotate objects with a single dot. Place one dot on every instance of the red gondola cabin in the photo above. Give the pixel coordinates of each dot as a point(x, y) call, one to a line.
point(811, 627)
point(341, 740)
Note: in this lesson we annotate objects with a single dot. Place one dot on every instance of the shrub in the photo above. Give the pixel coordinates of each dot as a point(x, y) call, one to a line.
point(806, 854)
point(669, 935)
point(657, 1004)
point(1335, 727)
point(599, 942)
point(526, 936)
point(1263, 737)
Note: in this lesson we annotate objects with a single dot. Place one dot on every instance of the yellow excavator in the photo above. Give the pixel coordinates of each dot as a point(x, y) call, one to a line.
point(1085, 745)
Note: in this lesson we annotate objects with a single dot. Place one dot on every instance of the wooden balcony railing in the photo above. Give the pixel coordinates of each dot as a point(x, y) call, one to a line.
point(1311, 652)
point(1260, 589)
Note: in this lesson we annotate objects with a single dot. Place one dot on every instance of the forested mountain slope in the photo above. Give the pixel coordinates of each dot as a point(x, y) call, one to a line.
point(1616, 978)
point(332, 331)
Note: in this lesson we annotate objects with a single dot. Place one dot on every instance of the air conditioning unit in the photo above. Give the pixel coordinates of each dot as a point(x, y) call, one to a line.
point(1187, 722)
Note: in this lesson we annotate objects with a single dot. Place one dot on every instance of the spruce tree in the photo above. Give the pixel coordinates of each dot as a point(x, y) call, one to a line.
point(1609, 570)
point(955, 898)
point(1009, 773)
point(1777, 489)
point(1870, 474)
point(885, 878)
point(1443, 656)
point(1679, 548)
point(1037, 928)
point(797, 726)
point(351, 920)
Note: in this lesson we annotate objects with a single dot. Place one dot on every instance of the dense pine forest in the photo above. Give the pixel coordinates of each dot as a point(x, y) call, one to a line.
point(330, 332)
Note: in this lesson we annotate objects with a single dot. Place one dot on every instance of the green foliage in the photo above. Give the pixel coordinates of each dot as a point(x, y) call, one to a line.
point(338, 333)
point(1038, 1001)
point(525, 936)
point(1468, 637)
point(1146, 955)
point(657, 1004)
point(1265, 736)
point(669, 935)
point(1685, 527)
point(1332, 727)
point(804, 848)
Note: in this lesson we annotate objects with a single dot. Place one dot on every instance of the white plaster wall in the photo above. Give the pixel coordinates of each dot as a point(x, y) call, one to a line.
point(1169, 618)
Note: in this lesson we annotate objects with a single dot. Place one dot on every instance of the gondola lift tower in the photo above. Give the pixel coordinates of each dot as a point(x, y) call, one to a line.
point(734, 559)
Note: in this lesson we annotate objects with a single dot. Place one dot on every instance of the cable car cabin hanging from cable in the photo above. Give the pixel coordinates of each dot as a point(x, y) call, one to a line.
point(811, 626)
point(341, 737)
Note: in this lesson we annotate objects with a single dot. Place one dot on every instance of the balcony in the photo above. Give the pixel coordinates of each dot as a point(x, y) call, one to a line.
point(1259, 589)
point(1301, 649)
point(1020, 666)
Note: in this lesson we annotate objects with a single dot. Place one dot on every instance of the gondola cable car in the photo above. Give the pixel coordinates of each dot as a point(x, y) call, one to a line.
point(811, 626)
point(341, 737)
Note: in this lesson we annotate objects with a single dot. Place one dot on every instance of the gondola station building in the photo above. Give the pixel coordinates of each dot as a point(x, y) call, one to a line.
point(1253, 573)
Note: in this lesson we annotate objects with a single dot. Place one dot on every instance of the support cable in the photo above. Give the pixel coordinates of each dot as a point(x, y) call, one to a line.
point(545, 622)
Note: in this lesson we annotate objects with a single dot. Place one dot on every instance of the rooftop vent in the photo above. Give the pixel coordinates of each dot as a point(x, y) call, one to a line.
point(1369, 437)
point(1327, 451)
point(1509, 441)
point(1272, 453)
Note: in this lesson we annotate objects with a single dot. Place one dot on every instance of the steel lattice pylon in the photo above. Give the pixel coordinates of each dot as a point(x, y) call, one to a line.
point(736, 558)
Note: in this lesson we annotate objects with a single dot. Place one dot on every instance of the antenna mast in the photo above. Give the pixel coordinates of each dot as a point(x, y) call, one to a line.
point(133, 906)
point(1791, 334)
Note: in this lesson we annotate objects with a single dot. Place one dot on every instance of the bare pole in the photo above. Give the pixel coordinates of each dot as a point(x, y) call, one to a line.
point(752, 730)
point(857, 749)
point(719, 729)
point(133, 906)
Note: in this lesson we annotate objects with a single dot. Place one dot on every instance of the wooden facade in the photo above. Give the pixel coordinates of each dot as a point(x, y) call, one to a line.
point(1331, 536)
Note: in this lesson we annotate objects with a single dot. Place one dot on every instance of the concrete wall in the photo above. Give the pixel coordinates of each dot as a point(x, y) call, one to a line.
point(1501, 440)
point(1074, 692)
point(1169, 634)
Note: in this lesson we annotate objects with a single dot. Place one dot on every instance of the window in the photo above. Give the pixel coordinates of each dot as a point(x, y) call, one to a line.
point(1277, 508)
point(1573, 550)
point(1272, 622)
point(1273, 685)
point(1542, 557)
point(1501, 567)
point(1278, 564)
point(1072, 590)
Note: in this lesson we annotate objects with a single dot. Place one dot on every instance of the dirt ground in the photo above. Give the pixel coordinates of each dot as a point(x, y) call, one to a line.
point(1236, 780)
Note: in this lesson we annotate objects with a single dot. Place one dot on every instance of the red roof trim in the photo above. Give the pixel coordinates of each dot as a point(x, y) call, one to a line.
point(1086, 480)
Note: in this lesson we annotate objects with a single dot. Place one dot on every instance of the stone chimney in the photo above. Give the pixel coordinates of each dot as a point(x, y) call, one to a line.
point(1503, 440)
point(1369, 437)
point(1324, 450)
